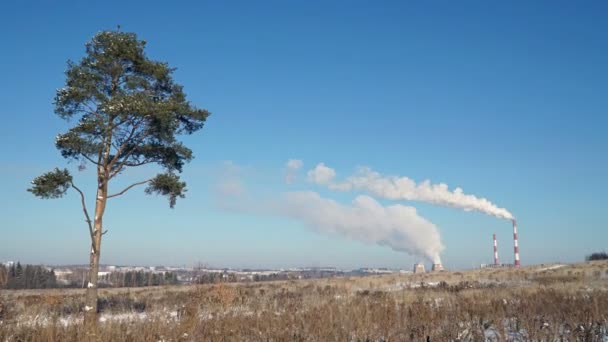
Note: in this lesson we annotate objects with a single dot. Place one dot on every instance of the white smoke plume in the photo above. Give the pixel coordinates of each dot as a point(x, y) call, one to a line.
point(396, 226)
point(321, 175)
point(404, 188)
point(291, 170)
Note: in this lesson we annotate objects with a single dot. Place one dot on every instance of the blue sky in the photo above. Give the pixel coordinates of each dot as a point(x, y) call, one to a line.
point(504, 99)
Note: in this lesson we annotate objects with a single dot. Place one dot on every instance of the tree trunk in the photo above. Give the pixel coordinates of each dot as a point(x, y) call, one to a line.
point(90, 309)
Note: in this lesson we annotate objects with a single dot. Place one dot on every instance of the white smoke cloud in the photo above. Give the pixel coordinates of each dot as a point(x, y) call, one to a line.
point(396, 226)
point(404, 188)
point(292, 167)
point(230, 187)
point(321, 174)
point(228, 184)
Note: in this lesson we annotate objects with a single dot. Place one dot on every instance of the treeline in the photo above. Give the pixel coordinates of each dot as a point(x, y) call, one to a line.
point(271, 277)
point(17, 276)
point(597, 256)
point(227, 277)
point(215, 277)
point(137, 279)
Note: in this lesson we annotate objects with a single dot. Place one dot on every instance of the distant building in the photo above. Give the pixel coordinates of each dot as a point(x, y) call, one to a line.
point(418, 268)
point(63, 272)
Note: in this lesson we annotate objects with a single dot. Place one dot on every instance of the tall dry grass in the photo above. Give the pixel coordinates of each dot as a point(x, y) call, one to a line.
point(328, 311)
point(459, 306)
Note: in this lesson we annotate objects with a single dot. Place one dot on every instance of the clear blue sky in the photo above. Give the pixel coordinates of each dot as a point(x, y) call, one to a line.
point(507, 100)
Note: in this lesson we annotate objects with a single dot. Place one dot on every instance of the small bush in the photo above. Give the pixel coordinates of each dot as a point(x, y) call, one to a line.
point(120, 303)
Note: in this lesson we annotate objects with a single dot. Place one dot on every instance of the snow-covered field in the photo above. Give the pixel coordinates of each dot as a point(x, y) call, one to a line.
point(544, 303)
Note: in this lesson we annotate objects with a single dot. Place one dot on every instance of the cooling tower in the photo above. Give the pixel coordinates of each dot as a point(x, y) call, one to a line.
point(437, 267)
point(419, 268)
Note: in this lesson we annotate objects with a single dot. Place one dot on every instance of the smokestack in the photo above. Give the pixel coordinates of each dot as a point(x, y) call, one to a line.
point(495, 251)
point(516, 244)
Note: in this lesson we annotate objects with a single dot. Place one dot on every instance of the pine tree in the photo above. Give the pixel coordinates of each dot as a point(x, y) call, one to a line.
point(128, 112)
point(19, 271)
point(12, 271)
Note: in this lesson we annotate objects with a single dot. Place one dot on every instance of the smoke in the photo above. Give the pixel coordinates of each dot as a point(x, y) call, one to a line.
point(291, 170)
point(364, 219)
point(228, 185)
point(321, 175)
point(404, 188)
point(396, 226)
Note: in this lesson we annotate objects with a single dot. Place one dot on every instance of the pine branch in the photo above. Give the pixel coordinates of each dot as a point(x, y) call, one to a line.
point(124, 145)
point(84, 209)
point(89, 159)
point(129, 187)
point(125, 159)
point(91, 110)
point(138, 163)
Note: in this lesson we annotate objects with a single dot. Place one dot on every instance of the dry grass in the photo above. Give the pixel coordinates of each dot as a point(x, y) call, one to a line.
point(529, 304)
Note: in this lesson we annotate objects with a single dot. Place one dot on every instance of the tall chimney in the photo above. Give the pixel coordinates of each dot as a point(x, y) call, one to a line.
point(516, 244)
point(495, 251)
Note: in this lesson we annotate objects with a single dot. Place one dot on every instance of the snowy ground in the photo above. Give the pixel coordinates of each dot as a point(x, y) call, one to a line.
point(447, 295)
point(553, 267)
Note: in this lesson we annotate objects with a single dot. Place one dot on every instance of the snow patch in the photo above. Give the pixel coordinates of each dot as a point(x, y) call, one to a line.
point(550, 268)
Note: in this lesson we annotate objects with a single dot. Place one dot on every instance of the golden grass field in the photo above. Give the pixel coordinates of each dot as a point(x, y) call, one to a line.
point(535, 303)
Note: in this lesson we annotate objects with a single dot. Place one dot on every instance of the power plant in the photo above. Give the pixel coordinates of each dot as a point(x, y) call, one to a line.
point(496, 263)
point(516, 244)
point(418, 268)
point(437, 267)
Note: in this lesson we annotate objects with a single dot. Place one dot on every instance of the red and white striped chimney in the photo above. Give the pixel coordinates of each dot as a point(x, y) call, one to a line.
point(495, 251)
point(516, 244)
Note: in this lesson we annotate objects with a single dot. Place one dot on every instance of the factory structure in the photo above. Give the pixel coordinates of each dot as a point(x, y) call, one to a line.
point(516, 263)
point(495, 251)
point(516, 244)
point(437, 267)
point(419, 267)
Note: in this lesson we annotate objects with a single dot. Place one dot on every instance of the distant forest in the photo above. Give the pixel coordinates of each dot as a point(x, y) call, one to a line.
point(17, 276)
point(137, 279)
point(597, 256)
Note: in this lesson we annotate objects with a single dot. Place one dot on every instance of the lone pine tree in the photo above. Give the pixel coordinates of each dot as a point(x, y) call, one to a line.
point(127, 112)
